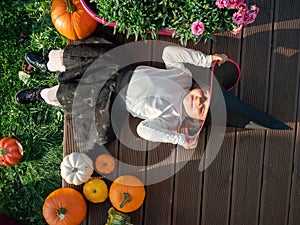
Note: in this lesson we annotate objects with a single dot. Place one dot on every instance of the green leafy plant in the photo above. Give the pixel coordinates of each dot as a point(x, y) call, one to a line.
point(188, 19)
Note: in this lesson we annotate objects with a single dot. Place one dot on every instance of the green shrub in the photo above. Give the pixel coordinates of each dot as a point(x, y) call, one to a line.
point(136, 17)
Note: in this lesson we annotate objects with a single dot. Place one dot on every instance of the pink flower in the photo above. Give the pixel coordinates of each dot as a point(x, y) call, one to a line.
point(239, 18)
point(242, 7)
point(231, 4)
point(244, 16)
point(222, 3)
point(250, 18)
point(237, 30)
point(234, 3)
point(197, 28)
point(254, 9)
point(252, 14)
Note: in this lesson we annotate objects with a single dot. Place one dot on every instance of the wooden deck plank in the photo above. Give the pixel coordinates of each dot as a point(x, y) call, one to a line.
point(69, 142)
point(132, 154)
point(247, 178)
point(69, 147)
point(160, 163)
point(217, 185)
point(160, 166)
point(218, 176)
point(294, 211)
point(249, 152)
point(187, 191)
point(282, 96)
point(98, 211)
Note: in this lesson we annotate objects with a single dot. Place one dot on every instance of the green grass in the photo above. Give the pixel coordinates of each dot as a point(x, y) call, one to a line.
point(25, 25)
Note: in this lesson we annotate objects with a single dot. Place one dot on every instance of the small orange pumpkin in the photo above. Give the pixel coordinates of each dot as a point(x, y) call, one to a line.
point(64, 206)
point(105, 164)
point(11, 151)
point(71, 20)
point(127, 193)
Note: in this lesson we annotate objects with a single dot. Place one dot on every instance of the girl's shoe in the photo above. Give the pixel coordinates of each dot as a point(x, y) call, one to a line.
point(27, 96)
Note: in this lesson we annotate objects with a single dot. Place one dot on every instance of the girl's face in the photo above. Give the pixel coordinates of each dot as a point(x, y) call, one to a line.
point(196, 104)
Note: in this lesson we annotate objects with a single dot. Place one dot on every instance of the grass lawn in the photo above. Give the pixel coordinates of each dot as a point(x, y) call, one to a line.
point(25, 25)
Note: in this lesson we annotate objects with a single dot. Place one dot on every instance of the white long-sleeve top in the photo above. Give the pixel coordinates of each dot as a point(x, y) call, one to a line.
point(156, 95)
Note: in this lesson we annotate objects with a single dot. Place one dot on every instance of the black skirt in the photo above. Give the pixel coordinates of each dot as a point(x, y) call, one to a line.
point(87, 89)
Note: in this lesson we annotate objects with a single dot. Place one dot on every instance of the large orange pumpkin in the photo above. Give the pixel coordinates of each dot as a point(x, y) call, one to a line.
point(11, 151)
point(127, 193)
point(71, 20)
point(64, 206)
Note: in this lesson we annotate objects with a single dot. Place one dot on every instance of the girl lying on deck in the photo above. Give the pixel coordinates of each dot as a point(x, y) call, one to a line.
point(162, 98)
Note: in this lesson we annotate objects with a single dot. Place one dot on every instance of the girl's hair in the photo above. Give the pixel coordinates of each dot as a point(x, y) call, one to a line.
point(191, 126)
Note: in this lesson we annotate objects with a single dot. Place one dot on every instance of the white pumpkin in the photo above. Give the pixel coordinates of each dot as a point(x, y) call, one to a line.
point(76, 168)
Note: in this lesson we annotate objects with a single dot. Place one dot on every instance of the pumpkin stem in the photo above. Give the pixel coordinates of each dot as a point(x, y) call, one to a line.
point(61, 213)
point(2, 151)
point(70, 6)
point(74, 170)
point(125, 199)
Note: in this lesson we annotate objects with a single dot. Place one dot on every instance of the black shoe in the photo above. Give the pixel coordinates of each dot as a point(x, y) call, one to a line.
point(36, 61)
point(27, 96)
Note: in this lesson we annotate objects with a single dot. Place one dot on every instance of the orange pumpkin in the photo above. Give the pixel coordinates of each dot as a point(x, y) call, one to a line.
point(105, 164)
point(11, 151)
point(127, 193)
point(71, 20)
point(64, 206)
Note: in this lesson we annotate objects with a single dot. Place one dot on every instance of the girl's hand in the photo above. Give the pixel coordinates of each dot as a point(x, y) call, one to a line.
point(191, 143)
point(220, 58)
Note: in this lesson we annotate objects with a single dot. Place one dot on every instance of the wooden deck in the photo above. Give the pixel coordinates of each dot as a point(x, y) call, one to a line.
point(255, 178)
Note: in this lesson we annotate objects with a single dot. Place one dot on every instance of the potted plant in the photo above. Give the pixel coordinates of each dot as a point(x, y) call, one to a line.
point(184, 19)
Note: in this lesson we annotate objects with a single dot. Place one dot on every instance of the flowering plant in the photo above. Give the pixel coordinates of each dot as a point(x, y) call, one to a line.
point(187, 19)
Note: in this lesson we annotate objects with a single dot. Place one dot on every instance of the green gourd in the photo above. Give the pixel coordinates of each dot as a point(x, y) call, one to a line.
point(117, 218)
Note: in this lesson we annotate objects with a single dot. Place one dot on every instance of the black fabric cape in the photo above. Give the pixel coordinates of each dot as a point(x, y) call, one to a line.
point(239, 113)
